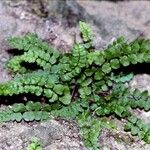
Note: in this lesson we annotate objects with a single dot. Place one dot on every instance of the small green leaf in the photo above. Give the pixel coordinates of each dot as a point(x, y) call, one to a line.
point(115, 64)
point(128, 126)
point(147, 137)
point(104, 87)
point(44, 115)
point(53, 98)
point(135, 47)
point(146, 127)
point(18, 117)
point(48, 93)
point(66, 99)
point(29, 105)
point(19, 107)
point(37, 106)
point(147, 105)
point(119, 110)
point(133, 58)
point(38, 115)
point(53, 60)
point(98, 75)
point(124, 60)
point(59, 88)
point(139, 123)
point(106, 68)
point(134, 130)
point(29, 116)
point(86, 31)
point(132, 119)
point(99, 60)
point(120, 39)
point(87, 82)
point(141, 134)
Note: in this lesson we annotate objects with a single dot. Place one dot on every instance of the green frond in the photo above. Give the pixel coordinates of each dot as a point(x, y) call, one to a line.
point(76, 62)
point(138, 128)
point(32, 111)
point(86, 33)
point(35, 51)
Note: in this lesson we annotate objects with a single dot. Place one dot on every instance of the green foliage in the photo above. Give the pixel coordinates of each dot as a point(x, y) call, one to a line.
point(29, 112)
point(71, 66)
point(85, 84)
point(138, 128)
point(86, 33)
point(35, 145)
point(72, 110)
point(89, 129)
point(33, 51)
point(38, 83)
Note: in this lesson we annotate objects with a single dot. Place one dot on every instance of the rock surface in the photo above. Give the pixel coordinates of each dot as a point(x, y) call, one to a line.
point(127, 18)
point(59, 27)
point(52, 134)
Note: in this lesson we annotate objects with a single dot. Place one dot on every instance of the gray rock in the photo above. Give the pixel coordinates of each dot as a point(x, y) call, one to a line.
point(119, 140)
point(69, 10)
point(47, 132)
point(52, 135)
point(128, 18)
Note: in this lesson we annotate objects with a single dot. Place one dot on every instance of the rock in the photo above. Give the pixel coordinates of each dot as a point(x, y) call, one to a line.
point(141, 81)
point(119, 140)
point(109, 140)
point(127, 18)
point(52, 135)
point(47, 132)
point(69, 10)
point(9, 136)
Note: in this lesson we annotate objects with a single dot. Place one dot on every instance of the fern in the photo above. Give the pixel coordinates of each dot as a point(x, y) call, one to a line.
point(35, 145)
point(38, 83)
point(138, 128)
point(86, 34)
point(34, 51)
point(85, 84)
point(72, 110)
point(90, 128)
point(29, 112)
point(72, 66)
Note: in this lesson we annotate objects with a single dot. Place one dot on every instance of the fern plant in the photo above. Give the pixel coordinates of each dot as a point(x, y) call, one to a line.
point(35, 145)
point(85, 84)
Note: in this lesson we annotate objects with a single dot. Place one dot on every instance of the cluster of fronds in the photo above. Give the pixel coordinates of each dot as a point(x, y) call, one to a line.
point(83, 80)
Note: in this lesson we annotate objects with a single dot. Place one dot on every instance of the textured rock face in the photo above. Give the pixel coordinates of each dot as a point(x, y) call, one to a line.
point(69, 10)
point(56, 22)
point(52, 135)
point(127, 18)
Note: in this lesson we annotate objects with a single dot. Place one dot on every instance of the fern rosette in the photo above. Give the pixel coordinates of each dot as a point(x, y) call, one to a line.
point(85, 84)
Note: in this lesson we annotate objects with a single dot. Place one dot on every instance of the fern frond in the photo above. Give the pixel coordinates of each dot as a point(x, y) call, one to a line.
point(38, 83)
point(35, 51)
point(138, 128)
point(89, 129)
point(29, 112)
point(72, 110)
point(86, 33)
point(75, 63)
